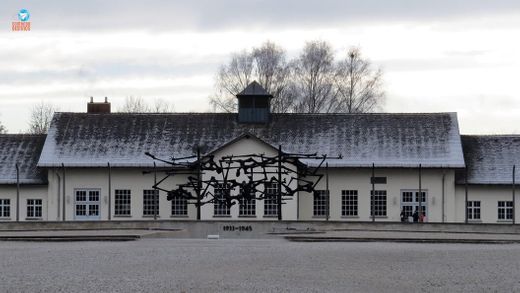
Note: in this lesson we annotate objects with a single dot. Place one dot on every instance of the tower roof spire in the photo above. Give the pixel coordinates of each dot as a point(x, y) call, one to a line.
point(254, 89)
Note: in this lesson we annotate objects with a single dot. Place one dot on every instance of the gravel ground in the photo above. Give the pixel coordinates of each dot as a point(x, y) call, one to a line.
point(199, 265)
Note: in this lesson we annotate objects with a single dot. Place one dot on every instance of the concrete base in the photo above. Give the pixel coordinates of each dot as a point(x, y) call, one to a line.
point(311, 231)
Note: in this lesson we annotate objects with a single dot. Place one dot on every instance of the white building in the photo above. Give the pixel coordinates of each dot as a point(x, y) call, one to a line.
point(92, 166)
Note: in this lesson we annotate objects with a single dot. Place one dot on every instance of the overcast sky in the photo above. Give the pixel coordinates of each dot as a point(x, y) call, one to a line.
point(437, 56)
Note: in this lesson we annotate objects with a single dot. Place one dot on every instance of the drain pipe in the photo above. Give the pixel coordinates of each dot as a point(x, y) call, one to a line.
point(443, 194)
point(514, 212)
point(17, 193)
point(64, 191)
point(328, 192)
point(59, 194)
point(109, 191)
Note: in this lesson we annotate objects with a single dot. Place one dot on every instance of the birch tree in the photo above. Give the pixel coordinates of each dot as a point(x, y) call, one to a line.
point(314, 74)
point(3, 129)
point(267, 65)
point(313, 82)
point(139, 105)
point(359, 85)
point(41, 117)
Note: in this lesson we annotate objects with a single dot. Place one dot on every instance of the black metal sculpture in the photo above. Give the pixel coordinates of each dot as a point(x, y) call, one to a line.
point(285, 170)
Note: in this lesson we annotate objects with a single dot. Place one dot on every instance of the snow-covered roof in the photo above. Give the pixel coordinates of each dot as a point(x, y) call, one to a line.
point(23, 150)
point(387, 140)
point(490, 159)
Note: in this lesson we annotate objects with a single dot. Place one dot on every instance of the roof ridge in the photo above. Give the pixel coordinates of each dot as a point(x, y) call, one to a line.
point(276, 114)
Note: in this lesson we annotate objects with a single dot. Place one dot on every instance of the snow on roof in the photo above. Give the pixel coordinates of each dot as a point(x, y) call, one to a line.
point(490, 159)
point(23, 150)
point(388, 140)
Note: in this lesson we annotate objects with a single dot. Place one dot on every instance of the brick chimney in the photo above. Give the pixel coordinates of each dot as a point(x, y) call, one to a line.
point(98, 107)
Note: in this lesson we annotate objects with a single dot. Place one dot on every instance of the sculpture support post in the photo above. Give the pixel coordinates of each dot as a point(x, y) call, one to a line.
point(109, 191)
point(466, 195)
point(373, 197)
point(279, 201)
point(513, 211)
point(199, 183)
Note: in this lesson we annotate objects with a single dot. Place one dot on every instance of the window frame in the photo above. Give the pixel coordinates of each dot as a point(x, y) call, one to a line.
point(151, 205)
point(473, 208)
point(271, 199)
point(247, 207)
point(122, 205)
point(220, 208)
point(34, 210)
point(506, 209)
point(5, 206)
point(409, 202)
point(179, 207)
point(320, 203)
point(349, 203)
point(377, 209)
point(90, 201)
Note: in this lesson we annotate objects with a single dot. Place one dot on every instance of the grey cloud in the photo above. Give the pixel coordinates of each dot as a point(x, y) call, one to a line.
point(239, 14)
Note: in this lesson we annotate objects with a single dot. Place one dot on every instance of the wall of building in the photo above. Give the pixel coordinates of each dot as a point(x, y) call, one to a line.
point(488, 196)
point(26, 192)
point(440, 198)
point(397, 180)
point(131, 179)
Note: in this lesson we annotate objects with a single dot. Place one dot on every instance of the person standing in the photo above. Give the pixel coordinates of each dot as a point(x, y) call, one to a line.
point(416, 216)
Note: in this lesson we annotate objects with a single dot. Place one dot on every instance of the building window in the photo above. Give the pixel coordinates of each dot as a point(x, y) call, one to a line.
point(505, 210)
point(320, 206)
point(349, 203)
point(220, 205)
point(122, 202)
point(5, 208)
point(150, 202)
point(473, 210)
point(179, 206)
point(34, 208)
point(247, 207)
point(411, 200)
point(271, 199)
point(87, 203)
point(378, 203)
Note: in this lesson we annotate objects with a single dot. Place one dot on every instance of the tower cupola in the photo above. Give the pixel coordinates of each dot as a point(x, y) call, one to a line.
point(254, 104)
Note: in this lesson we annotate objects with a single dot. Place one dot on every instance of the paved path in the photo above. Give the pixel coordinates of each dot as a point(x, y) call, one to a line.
point(83, 235)
point(260, 265)
point(302, 236)
point(405, 236)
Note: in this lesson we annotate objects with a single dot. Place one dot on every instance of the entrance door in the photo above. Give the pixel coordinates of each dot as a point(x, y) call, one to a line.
point(410, 202)
point(87, 204)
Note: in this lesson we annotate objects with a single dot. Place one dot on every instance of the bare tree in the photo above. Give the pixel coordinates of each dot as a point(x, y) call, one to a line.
point(314, 74)
point(272, 71)
point(232, 79)
point(267, 65)
point(138, 105)
point(3, 129)
point(314, 82)
point(41, 117)
point(162, 106)
point(359, 86)
point(134, 105)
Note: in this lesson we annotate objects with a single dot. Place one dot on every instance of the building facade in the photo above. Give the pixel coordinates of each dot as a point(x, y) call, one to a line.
point(380, 167)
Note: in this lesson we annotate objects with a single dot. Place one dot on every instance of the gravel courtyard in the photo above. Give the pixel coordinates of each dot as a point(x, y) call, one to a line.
point(200, 265)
